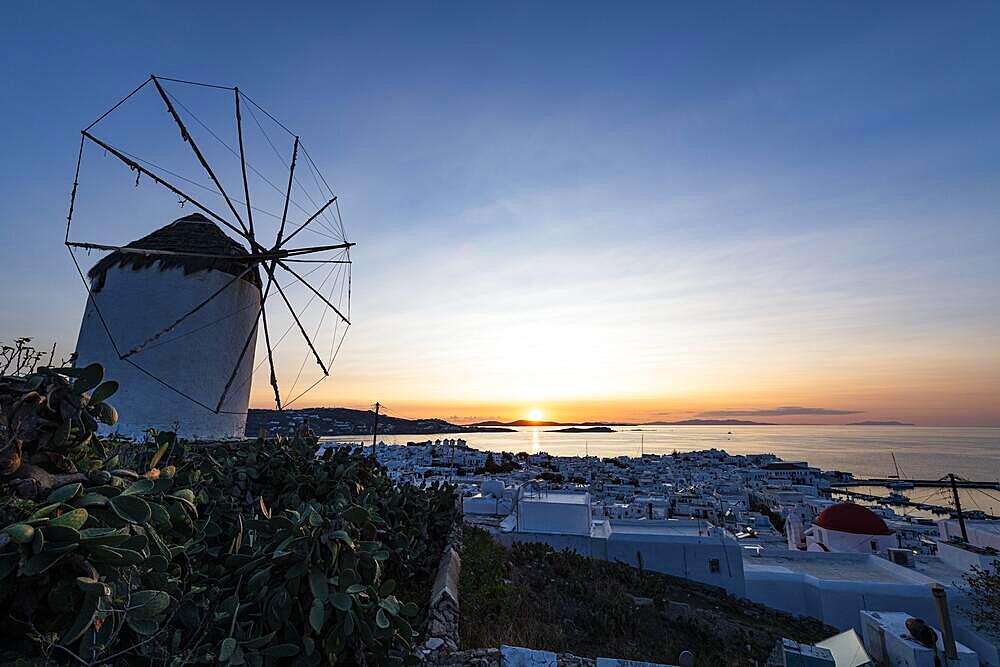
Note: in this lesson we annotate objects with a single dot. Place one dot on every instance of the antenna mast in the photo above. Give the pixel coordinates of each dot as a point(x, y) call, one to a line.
point(375, 427)
point(958, 507)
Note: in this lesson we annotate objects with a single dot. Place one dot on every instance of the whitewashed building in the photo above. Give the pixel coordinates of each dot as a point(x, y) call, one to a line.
point(181, 378)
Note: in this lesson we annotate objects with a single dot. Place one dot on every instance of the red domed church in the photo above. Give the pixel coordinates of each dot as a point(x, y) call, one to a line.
point(850, 528)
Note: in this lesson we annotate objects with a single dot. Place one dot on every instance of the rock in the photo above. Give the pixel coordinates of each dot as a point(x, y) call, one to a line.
point(433, 643)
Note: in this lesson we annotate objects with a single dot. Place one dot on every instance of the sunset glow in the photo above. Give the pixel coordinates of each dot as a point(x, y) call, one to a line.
point(732, 239)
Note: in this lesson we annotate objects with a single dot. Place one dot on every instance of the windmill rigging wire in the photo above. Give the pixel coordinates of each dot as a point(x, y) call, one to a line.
point(195, 83)
point(333, 354)
point(120, 102)
point(247, 162)
point(214, 191)
point(281, 338)
point(295, 178)
point(314, 170)
point(252, 168)
point(265, 112)
point(336, 267)
point(314, 384)
point(214, 322)
point(324, 218)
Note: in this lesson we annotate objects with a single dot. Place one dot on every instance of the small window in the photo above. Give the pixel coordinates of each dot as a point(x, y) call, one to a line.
point(874, 546)
point(714, 566)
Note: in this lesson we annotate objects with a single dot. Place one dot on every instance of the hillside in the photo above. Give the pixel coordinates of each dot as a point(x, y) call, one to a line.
point(532, 596)
point(345, 421)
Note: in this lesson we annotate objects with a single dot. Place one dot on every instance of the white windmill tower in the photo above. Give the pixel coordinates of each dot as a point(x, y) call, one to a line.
point(174, 316)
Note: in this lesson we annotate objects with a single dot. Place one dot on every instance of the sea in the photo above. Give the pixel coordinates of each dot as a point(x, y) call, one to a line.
point(866, 451)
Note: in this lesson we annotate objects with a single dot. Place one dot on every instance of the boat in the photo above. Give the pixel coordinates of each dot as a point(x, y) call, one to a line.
point(897, 483)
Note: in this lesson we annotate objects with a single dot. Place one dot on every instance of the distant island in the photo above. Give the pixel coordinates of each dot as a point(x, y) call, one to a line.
point(345, 421)
point(685, 422)
point(881, 423)
point(713, 422)
point(580, 429)
point(528, 422)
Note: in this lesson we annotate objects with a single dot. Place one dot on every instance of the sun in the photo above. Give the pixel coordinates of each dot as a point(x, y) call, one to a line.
point(536, 415)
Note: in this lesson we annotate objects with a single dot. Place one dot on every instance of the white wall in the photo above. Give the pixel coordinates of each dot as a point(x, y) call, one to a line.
point(139, 304)
point(544, 515)
point(684, 556)
point(840, 542)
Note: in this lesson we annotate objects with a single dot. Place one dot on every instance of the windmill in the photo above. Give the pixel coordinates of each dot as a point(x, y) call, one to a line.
point(175, 314)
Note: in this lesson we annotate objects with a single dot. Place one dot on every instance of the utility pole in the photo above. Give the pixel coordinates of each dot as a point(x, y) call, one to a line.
point(958, 507)
point(375, 428)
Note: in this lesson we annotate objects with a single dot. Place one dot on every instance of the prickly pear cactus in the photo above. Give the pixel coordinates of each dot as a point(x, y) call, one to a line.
point(252, 552)
point(48, 427)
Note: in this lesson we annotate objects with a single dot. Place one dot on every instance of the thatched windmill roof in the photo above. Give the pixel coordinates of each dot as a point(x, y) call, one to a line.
point(194, 233)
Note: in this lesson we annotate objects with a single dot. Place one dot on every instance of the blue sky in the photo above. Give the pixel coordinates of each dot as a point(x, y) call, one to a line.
point(604, 211)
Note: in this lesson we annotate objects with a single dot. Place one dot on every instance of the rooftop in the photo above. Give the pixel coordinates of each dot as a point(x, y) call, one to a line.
point(555, 497)
point(685, 527)
point(835, 567)
point(193, 233)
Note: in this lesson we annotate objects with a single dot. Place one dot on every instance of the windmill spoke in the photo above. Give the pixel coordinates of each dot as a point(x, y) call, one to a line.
point(186, 136)
point(131, 250)
point(316, 248)
point(255, 257)
point(311, 218)
point(288, 192)
point(313, 289)
point(302, 329)
point(243, 164)
point(322, 218)
point(243, 353)
point(270, 354)
point(135, 166)
point(76, 184)
point(319, 261)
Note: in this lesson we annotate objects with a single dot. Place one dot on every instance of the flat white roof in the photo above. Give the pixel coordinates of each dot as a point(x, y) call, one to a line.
point(834, 567)
point(562, 498)
point(661, 527)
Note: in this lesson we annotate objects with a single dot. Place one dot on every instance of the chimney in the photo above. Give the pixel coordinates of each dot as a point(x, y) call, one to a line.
point(948, 635)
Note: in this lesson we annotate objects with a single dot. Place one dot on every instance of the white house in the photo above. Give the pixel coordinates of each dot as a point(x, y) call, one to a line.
point(689, 548)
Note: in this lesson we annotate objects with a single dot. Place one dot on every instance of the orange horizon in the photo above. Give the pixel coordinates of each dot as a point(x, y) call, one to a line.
point(976, 413)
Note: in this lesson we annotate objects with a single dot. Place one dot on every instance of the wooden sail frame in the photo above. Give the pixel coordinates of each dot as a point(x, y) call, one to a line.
point(270, 257)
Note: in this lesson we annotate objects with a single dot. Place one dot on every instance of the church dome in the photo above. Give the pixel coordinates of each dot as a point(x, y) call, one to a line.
point(852, 518)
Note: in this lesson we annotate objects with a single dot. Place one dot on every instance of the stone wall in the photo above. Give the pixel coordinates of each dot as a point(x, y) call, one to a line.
point(442, 636)
point(494, 657)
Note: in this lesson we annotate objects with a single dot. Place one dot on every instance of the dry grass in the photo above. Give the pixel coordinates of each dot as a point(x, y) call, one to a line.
point(534, 597)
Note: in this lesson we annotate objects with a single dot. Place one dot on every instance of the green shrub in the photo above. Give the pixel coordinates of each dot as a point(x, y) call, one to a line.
point(250, 552)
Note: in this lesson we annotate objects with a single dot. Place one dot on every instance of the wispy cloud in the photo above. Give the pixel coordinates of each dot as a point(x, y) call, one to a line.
point(783, 411)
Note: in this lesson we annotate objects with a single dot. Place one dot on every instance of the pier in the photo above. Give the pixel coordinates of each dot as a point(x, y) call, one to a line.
point(886, 481)
point(903, 502)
